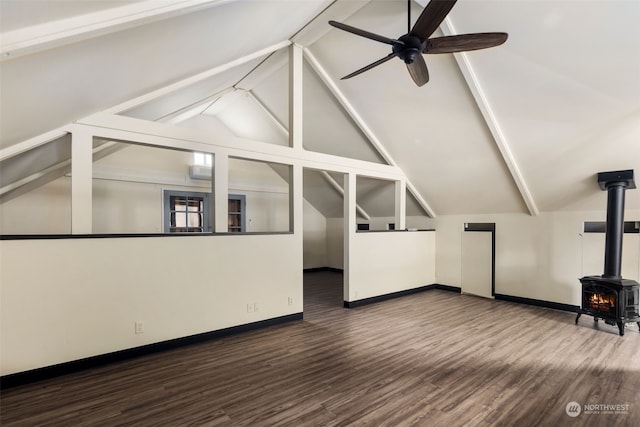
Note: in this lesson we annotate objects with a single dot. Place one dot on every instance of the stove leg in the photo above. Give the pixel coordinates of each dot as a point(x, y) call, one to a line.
point(580, 314)
point(621, 328)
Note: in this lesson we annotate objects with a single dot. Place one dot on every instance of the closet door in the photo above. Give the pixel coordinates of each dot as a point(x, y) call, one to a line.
point(477, 263)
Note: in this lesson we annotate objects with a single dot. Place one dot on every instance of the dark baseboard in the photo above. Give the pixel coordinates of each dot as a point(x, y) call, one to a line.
point(26, 377)
point(379, 298)
point(318, 269)
point(385, 297)
point(538, 303)
point(447, 288)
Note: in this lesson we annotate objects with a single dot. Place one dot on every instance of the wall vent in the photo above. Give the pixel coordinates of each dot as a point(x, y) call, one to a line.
point(200, 172)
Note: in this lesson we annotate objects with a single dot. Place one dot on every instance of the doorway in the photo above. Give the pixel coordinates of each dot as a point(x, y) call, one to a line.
point(478, 259)
point(323, 240)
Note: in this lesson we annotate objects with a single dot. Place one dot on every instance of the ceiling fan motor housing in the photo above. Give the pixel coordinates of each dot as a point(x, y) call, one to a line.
point(409, 49)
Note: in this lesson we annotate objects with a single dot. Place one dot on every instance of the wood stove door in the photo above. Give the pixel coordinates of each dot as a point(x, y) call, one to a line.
point(477, 262)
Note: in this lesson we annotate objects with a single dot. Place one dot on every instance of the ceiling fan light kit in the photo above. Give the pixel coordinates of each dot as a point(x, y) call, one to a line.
point(410, 47)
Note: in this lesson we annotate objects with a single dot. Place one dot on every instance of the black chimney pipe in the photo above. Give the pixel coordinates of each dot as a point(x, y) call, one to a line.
point(615, 183)
point(615, 230)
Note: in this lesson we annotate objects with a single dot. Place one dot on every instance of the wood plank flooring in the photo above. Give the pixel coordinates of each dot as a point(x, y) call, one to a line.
point(430, 359)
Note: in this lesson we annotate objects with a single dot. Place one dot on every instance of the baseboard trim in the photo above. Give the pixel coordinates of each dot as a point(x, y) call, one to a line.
point(448, 288)
point(393, 295)
point(538, 303)
point(509, 298)
point(318, 269)
point(39, 374)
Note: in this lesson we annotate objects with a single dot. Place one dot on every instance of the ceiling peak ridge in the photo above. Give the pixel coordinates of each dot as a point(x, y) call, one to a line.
point(317, 27)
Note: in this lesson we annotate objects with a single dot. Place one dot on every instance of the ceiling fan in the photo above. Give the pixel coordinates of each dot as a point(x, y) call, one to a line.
point(412, 45)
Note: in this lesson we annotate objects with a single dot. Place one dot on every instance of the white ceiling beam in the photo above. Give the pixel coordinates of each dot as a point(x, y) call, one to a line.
point(148, 97)
point(362, 125)
point(29, 40)
point(192, 110)
point(6, 189)
point(26, 184)
point(296, 63)
point(31, 143)
point(318, 26)
point(122, 128)
point(282, 128)
point(492, 121)
point(46, 137)
point(47, 175)
point(267, 67)
point(336, 186)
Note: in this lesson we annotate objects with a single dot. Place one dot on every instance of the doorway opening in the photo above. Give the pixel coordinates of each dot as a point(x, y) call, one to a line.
point(323, 241)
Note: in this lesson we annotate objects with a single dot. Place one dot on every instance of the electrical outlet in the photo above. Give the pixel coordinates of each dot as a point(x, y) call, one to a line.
point(290, 301)
point(255, 307)
point(249, 308)
point(139, 327)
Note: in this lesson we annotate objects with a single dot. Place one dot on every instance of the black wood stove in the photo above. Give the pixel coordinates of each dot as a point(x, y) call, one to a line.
point(610, 297)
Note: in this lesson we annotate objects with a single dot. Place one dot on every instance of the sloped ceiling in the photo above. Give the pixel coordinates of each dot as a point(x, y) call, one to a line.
point(562, 95)
point(71, 81)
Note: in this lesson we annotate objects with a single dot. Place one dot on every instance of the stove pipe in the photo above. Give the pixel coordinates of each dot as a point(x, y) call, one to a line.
point(615, 183)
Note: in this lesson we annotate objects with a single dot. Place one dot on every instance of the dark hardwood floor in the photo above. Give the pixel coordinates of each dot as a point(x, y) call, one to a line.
point(435, 359)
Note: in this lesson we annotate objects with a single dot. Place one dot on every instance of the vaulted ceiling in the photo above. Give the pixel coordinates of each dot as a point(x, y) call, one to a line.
point(518, 128)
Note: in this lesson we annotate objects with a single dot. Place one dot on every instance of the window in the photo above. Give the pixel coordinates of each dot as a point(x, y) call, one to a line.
point(236, 213)
point(186, 212)
point(202, 159)
point(189, 212)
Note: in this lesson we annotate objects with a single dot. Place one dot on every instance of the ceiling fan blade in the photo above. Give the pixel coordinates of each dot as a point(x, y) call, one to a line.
point(370, 66)
point(363, 33)
point(464, 42)
point(418, 70)
point(431, 17)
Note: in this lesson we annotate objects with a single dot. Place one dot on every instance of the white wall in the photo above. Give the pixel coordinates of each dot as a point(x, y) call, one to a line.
point(593, 255)
point(335, 234)
point(86, 294)
point(44, 210)
point(335, 243)
point(315, 238)
point(381, 263)
point(537, 257)
point(128, 207)
point(266, 212)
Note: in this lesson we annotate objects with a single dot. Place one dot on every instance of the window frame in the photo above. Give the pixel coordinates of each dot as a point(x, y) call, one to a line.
point(206, 212)
point(166, 211)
